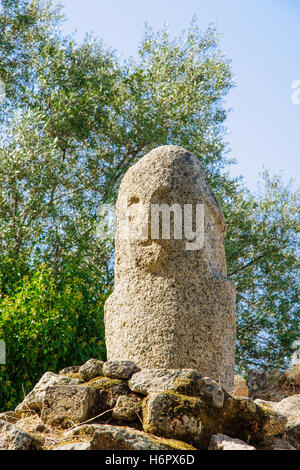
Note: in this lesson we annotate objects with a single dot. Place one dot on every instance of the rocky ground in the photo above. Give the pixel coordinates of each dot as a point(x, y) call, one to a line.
point(116, 406)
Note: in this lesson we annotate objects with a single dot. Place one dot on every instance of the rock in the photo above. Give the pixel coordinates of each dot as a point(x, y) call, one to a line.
point(13, 438)
point(275, 443)
point(65, 405)
point(127, 409)
point(172, 306)
point(173, 416)
point(9, 417)
point(290, 408)
point(119, 369)
point(211, 392)
point(195, 420)
point(70, 370)
point(222, 442)
point(106, 437)
point(109, 391)
point(35, 399)
point(91, 369)
point(240, 387)
point(273, 423)
point(184, 381)
point(73, 446)
point(271, 385)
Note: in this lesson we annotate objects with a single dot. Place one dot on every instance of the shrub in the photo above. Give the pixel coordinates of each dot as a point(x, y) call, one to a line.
point(47, 323)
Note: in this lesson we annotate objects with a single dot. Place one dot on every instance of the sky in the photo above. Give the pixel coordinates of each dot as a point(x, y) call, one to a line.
point(260, 37)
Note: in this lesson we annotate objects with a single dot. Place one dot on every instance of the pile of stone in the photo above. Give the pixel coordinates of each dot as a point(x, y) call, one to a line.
point(116, 406)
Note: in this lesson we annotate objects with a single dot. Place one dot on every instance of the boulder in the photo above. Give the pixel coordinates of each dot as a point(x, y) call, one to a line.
point(13, 438)
point(211, 392)
point(222, 442)
point(119, 369)
point(107, 437)
point(35, 399)
point(290, 408)
point(65, 405)
point(195, 420)
point(127, 409)
point(271, 385)
point(184, 381)
point(109, 391)
point(173, 416)
point(275, 443)
point(91, 369)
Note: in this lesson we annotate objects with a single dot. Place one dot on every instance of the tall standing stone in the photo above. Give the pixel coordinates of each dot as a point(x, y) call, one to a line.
point(172, 306)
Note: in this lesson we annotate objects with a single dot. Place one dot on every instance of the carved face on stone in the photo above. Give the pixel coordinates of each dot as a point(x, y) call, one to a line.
point(155, 184)
point(150, 252)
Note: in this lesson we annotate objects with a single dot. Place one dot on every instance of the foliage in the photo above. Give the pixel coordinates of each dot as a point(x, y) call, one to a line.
point(24, 28)
point(263, 231)
point(47, 325)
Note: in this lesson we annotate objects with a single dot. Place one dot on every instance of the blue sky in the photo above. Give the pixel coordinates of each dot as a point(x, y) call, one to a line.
point(261, 37)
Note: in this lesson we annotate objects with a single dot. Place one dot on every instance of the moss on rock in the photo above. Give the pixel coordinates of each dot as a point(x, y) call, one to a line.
point(194, 420)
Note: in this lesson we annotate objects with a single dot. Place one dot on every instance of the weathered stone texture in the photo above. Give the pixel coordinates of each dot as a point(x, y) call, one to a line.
point(171, 307)
point(222, 442)
point(14, 438)
point(109, 391)
point(167, 409)
point(91, 369)
point(194, 420)
point(106, 437)
point(119, 369)
point(184, 381)
point(35, 399)
point(65, 405)
point(289, 407)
